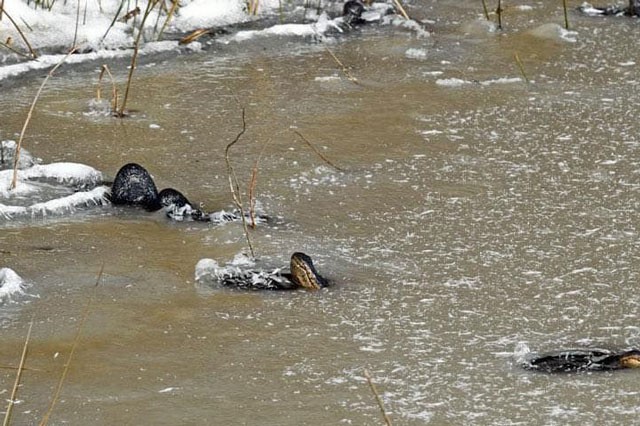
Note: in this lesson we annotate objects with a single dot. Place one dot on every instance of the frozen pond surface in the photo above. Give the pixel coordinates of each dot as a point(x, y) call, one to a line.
point(476, 215)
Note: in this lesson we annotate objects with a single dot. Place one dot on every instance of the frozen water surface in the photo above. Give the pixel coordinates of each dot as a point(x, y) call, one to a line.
point(469, 224)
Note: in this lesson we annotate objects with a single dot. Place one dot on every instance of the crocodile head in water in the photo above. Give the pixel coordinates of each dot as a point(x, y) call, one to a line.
point(304, 274)
point(630, 359)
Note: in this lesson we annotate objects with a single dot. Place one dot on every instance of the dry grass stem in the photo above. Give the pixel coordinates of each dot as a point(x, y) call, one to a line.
point(499, 11)
point(521, 67)
point(134, 57)
point(485, 10)
point(318, 153)
point(401, 9)
point(17, 52)
point(24, 38)
point(344, 69)
point(386, 418)
point(16, 157)
point(114, 89)
point(172, 11)
point(235, 186)
point(194, 35)
point(566, 14)
point(14, 391)
point(252, 8)
point(76, 341)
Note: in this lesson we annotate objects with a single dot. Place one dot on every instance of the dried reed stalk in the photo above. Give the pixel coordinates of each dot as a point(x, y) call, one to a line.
point(16, 156)
point(566, 15)
point(76, 341)
point(134, 58)
point(14, 391)
point(344, 69)
point(386, 418)
point(521, 67)
point(401, 9)
point(114, 89)
point(17, 52)
point(318, 153)
point(195, 35)
point(172, 11)
point(252, 7)
point(499, 11)
point(24, 38)
point(485, 10)
point(235, 186)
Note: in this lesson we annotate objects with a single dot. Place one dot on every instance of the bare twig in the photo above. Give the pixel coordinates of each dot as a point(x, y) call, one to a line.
point(174, 6)
point(499, 11)
point(24, 38)
point(401, 9)
point(318, 153)
point(344, 69)
point(17, 52)
point(521, 67)
point(566, 15)
point(233, 183)
point(386, 418)
point(134, 58)
point(14, 391)
point(485, 10)
point(16, 157)
point(76, 341)
point(114, 89)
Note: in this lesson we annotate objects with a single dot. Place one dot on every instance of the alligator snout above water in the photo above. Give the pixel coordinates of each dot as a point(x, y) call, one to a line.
point(576, 360)
point(302, 275)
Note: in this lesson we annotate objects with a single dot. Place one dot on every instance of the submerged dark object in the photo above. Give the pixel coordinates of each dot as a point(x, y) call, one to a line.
point(632, 9)
point(134, 186)
point(352, 12)
point(575, 360)
point(302, 275)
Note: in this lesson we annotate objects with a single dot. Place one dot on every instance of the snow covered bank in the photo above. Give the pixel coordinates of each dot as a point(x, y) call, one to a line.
point(105, 30)
point(45, 189)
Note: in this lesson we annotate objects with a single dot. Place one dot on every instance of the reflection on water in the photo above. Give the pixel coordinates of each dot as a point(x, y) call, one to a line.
point(469, 218)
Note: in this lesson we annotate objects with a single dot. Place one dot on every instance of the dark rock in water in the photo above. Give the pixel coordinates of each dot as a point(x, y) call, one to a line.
point(134, 186)
point(575, 360)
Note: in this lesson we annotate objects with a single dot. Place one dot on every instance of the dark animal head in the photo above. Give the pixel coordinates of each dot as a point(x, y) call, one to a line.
point(172, 198)
point(134, 186)
point(352, 11)
point(304, 274)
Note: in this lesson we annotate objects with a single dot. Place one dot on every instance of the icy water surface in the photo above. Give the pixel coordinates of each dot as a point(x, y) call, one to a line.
point(475, 215)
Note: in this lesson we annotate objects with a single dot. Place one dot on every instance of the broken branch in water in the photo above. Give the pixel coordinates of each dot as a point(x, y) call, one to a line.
point(386, 418)
point(14, 391)
point(315, 150)
point(235, 186)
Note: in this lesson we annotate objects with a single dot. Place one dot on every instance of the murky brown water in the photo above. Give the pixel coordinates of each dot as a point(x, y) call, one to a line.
point(469, 219)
